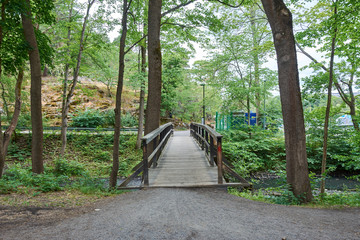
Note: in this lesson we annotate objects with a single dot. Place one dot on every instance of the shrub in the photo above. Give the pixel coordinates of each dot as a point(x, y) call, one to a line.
point(343, 151)
point(68, 168)
point(88, 119)
point(128, 120)
point(46, 182)
point(253, 152)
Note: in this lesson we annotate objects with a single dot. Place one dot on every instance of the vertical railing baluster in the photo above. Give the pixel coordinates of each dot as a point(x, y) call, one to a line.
point(212, 152)
point(207, 141)
point(219, 161)
point(202, 140)
point(146, 164)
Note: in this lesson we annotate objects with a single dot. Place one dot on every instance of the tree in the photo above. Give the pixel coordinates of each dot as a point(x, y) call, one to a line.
point(66, 103)
point(142, 97)
point(152, 115)
point(19, 40)
point(297, 172)
point(320, 33)
point(328, 107)
point(6, 137)
point(115, 167)
point(36, 111)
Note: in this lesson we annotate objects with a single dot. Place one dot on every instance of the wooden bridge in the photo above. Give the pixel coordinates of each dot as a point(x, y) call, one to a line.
point(184, 159)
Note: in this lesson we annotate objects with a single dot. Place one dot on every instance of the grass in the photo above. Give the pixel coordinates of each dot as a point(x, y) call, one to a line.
point(77, 178)
point(334, 200)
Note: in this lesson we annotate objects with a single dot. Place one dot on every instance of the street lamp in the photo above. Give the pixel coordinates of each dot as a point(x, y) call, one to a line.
point(203, 118)
point(264, 127)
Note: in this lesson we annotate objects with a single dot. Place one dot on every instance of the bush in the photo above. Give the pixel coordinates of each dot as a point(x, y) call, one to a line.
point(88, 119)
point(253, 152)
point(95, 118)
point(128, 120)
point(68, 168)
point(343, 151)
point(46, 182)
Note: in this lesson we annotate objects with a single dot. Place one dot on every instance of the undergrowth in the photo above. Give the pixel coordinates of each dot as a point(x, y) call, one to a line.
point(85, 167)
point(283, 195)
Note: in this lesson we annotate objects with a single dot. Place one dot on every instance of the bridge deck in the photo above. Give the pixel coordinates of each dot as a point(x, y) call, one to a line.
point(182, 164)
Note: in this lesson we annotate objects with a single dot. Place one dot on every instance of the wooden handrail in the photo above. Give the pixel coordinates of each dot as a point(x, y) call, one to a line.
point(150, 136)
point(153, 143)
point(210, 141)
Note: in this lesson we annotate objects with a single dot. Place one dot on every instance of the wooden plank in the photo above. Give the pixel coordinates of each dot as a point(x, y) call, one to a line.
point(182, 164)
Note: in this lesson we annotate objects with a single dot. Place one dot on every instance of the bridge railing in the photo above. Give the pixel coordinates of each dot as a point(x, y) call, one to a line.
point(152, 144)
point(210, 142)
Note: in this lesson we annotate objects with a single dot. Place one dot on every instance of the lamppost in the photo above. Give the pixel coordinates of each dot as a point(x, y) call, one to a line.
point(203, 117)
point(264, 127)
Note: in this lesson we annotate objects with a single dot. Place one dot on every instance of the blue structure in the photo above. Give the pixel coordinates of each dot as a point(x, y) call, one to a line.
point(234, 120)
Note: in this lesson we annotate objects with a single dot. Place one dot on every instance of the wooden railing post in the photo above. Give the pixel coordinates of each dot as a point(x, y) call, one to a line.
point(219, 160)
point(145, 164)
point(207, 141)
point(212, 152)
point(202, 140)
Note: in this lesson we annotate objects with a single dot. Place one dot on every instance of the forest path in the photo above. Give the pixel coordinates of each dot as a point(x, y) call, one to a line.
point(181, 213)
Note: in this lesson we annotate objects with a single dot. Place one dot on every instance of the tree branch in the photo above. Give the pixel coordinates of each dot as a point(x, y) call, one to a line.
point(177, 7)
point(309, 56)
point(227, 4)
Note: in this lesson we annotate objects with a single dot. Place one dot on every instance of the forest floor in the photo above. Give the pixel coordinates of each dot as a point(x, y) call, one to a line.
point(179, 213)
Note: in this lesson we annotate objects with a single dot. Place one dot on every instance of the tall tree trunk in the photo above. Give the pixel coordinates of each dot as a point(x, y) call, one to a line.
point(66, 106)
point(328, 108)
point(142, 98)
point(154, 59)
point(256, 62)
point(115, 167)
point(6, 137)
point(297, 171)
point(35, 92)
point(65, 87)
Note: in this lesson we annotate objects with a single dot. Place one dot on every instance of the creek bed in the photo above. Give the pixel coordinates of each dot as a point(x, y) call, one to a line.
point(340, 183)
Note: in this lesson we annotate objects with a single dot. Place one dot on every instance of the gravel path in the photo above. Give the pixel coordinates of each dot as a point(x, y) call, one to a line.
point(197, 214)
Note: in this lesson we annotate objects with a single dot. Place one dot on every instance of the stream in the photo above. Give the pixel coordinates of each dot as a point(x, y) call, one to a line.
point(340, 183)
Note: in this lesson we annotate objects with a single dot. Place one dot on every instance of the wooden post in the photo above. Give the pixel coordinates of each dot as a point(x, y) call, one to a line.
point(203, 136)
point(155, 144)
point(207, 141)
point(212, 152)
point(219, 161)
point(145, 163)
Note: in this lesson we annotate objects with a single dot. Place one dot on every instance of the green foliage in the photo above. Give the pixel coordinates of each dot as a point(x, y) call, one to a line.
point(24, 120)
point(18, 175)
point(342, 149)
point(346, 198)
point(94, 119)
point(253, 151)
point(15, 152)
point(88, 185)
point(68, 168)
point(128, 120)
point(88, 119)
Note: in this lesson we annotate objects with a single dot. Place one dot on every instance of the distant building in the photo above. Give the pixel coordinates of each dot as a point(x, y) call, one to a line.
point(344, 120)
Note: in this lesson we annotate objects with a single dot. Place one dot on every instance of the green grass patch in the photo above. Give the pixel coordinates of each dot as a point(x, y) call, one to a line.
point(85, 168)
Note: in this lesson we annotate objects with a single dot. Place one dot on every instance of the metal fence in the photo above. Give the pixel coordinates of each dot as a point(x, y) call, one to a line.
point(234, 120)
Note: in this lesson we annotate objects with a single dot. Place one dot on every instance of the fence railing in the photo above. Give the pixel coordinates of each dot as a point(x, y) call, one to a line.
point(210, 142)
point(153, 144)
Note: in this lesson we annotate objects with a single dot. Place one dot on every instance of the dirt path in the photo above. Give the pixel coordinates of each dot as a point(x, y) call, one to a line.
point(194, 214)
